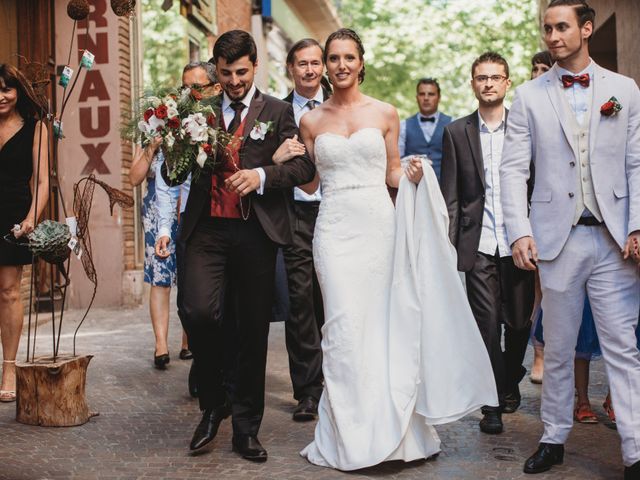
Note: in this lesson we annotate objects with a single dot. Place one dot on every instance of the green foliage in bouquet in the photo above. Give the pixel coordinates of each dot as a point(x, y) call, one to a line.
point(186, 121)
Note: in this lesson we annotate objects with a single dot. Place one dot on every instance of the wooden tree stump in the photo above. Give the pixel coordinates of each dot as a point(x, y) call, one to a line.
point(52, 394)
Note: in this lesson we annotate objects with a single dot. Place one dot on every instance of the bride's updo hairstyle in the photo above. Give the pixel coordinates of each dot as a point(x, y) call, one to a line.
point(346, 34)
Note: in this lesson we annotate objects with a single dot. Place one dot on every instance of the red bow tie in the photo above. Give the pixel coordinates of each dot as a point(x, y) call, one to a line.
point(569, 80)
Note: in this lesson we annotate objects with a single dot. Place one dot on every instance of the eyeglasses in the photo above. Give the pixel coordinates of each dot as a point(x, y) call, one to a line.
point(486, 78)
point(197, 86)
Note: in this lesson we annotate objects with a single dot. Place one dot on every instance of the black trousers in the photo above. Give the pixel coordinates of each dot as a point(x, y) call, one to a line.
point(228, 265)
point(500, 294)
point(306, 315)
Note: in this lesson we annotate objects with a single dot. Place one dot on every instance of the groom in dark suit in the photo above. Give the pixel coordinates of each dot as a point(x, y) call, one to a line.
point(499, 293)
point(234, 220)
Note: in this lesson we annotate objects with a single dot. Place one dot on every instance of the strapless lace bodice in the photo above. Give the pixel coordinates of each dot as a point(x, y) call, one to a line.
point(359, 160)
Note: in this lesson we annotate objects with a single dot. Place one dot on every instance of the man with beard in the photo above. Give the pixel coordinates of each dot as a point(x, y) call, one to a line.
point(234, 221)
point(580, 124)
point(498, 292)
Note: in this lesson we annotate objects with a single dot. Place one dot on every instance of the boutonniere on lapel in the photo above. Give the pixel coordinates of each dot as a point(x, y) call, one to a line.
point(261, 129)
point(611, 107)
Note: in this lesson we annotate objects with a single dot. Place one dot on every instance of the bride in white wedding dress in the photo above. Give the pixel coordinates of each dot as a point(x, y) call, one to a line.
point(401, 349)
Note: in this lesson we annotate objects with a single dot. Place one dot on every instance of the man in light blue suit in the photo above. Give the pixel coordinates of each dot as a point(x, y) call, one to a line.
point(422, 133)
point(580, 124)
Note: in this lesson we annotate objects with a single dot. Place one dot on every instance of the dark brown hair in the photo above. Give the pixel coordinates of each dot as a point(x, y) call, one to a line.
point(27, 104)
point(300, 45)
point(346, 34)
point(428, 81)
point(543, 58)
point(583, 11)
point(490, 57)
point(233, 45)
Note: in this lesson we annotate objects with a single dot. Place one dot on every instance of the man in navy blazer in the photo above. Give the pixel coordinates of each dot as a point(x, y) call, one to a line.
point(421, 134)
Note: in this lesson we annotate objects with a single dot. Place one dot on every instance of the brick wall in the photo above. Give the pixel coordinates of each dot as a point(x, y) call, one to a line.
point(124, 77)
point(234, 14)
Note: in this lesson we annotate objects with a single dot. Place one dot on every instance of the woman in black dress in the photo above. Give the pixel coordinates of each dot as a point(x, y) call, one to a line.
point(23, 140)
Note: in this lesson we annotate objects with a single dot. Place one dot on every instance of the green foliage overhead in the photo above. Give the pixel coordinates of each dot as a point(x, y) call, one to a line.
point(164, 43)
point(409, 39)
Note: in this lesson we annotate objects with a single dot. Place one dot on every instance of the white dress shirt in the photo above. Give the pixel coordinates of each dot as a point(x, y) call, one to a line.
point(579, 97)
point(427, 129)
point(493, 234)
point(300, 107)
point(228, 113)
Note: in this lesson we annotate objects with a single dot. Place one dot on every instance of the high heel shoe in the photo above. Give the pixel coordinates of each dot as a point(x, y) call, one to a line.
point(161, 361)
point(7, 396)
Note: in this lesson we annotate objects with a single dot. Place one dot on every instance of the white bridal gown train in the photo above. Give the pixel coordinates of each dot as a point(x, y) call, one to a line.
point(401, 349)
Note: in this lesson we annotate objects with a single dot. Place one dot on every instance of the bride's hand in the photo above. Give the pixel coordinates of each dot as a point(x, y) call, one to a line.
point(289, 149)
point(414, 170)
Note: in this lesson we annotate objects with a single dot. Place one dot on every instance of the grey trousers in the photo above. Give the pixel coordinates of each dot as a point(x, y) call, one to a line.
point(591, 263)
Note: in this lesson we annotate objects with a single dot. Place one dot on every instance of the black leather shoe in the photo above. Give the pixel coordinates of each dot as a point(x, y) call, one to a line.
point(632, 472)
point(193, 384)
point(161, 361)
point(248, 446)
point(208, 426)
point(491, 422)
point(547, 455)
point(512, 401)
point(306, 410)
point(185, 354)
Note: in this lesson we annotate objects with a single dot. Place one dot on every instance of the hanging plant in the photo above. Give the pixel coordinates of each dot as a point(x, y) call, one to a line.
point(123, 7)
point(78, 9)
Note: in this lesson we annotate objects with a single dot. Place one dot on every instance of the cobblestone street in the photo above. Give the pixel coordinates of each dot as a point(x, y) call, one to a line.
point(146, 419)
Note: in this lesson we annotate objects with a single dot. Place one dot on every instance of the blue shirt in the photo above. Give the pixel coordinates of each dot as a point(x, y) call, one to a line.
point(300, 107)
point(579, 97)
point(167, 200)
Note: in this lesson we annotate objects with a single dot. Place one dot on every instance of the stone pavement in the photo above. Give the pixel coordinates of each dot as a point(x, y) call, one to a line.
point(146, 419)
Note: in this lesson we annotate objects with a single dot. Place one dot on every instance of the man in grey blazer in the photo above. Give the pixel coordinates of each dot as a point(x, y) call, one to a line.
point(580, 125)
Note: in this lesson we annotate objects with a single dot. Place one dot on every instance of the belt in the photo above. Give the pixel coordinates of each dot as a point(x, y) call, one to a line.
point(589, 221)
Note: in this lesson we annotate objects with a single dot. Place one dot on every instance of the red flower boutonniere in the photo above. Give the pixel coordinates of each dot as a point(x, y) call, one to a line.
point(611, 107)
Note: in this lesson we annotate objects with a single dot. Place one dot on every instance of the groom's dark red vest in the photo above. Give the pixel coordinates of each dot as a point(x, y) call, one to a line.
point(226, 204)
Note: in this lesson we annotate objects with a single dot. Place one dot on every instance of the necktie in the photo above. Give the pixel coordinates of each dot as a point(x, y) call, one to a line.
point(311, 104)
point(569, 80)
point(428, 119)
point(237, 107)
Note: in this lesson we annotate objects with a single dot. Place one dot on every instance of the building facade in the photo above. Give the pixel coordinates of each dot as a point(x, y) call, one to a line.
point(41, 31)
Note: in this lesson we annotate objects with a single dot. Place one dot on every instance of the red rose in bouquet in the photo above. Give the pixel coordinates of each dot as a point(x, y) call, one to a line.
point(161, 112)
point(148, 114)
point(196, 95)
point(208, 149)
point(173, 122)
point(211, 120)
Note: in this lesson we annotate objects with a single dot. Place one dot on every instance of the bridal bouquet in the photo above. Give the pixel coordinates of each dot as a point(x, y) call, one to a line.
point(187, 123)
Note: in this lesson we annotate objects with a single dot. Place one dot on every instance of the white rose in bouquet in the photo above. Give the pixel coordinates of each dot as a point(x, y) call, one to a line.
point(197, 128)
point(155, 124)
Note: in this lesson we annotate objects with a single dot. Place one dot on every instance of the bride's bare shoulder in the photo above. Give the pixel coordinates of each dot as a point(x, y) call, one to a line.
point(386, 109)
point(311, 122)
